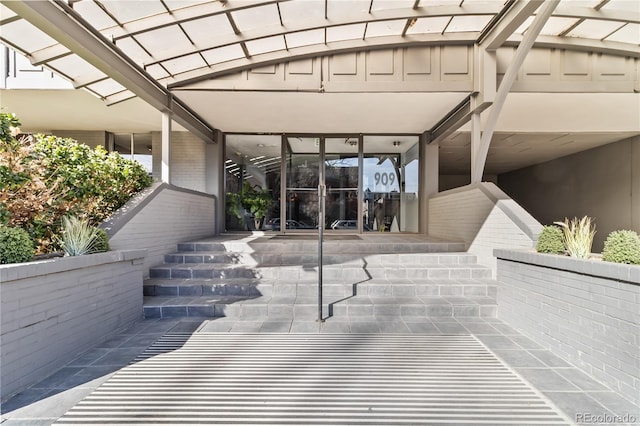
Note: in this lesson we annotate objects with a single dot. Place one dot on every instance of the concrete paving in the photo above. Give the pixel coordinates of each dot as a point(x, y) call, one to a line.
point(581, 398)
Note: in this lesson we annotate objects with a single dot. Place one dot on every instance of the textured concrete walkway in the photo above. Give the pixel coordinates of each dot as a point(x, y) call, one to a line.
point(580, 398)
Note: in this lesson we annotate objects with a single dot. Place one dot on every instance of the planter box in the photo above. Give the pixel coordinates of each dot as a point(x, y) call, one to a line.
point(54, 309)
point(585, 311)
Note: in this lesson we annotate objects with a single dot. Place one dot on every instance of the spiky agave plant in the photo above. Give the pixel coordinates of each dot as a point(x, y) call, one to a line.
point(578, 236)
point(78, 237)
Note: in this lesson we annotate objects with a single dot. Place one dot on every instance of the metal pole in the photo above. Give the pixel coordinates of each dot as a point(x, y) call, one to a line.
point(322, 192)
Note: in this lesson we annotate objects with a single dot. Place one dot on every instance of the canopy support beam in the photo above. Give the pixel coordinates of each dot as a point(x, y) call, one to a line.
point(64, 25)
point(480, 148)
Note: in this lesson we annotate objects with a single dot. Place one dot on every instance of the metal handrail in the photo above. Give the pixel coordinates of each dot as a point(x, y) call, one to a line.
point(322, 194)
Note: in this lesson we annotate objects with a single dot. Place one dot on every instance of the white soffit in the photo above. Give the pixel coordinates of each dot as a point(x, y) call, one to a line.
point(569, 112)
point(46, 110)
point(321, 112)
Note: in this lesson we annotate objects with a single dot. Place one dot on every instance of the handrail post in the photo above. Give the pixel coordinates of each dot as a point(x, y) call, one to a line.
point(322, 193)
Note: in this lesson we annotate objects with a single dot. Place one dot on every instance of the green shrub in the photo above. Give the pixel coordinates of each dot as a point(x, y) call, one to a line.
point(15, 245)
point(622, 247)
point(578, 236)
point(550, 240)
point(43, 178)
point(102, 241)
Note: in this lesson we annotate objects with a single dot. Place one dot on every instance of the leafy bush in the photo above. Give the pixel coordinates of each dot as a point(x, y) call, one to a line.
point(578, 236)
point(622, 247)
point(254, 200)
point(43, 178)
point(550, 240)
point(9, 125)
point(15, 245)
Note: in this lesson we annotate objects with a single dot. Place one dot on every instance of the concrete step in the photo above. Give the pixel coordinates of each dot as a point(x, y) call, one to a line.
point(211, 287)
point(285, 259)
point(368, 275)
point(270, 245)
point(305, 308)
point(375, 287)
point(342, 273)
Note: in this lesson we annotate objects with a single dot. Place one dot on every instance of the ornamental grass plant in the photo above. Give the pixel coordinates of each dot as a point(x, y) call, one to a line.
point(78, 237)
point(578, 236)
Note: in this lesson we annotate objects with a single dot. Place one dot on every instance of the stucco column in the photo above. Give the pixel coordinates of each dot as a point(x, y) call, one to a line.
point(214, 177)
point(476, 138)
point(635, 183)
point(428, 175)
point(165, 152)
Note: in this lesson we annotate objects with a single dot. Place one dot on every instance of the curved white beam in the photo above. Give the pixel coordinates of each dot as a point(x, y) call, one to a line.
point(316, 50)
point(316, 24)
point(600, 15)
point(200, 11)
point(580, 44)
point(209, 9)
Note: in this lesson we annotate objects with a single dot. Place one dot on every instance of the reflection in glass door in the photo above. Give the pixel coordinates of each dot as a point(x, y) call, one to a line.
point(334, 162)
point(341, 163)
point(303, 175)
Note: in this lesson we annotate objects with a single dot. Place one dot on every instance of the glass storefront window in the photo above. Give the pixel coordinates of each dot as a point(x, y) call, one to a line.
point(136, 146)
point(255, 160)
point(390, 183)
point(371, 182)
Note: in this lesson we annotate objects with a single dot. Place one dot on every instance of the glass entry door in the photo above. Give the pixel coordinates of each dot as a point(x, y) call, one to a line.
point(342, 177)
point(303, 168)
point(313, 161)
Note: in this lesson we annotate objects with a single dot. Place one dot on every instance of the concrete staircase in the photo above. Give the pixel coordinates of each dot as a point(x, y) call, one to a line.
point(271, 277)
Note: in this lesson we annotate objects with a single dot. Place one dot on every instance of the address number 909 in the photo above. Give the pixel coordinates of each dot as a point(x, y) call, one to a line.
point(384, 178)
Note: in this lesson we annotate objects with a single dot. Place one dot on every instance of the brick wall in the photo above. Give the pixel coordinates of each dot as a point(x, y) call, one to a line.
point(484, 218)
point(188, 160)
point(159, 218)
point(52, 310)
point(585, 311)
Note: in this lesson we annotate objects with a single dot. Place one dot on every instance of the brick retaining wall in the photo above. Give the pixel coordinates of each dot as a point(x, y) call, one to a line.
point(585, 311)
point(53, 310)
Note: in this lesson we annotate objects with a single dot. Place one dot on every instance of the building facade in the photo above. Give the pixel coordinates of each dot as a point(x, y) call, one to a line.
point(382, 103)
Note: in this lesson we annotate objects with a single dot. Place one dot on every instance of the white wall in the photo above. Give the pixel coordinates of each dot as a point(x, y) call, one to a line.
point(160, 218)
point(188, 160)
point(484, 218)
point(603, 183)
point(92, 138)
